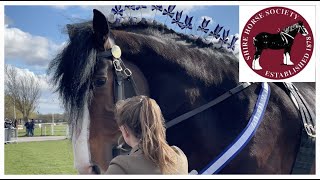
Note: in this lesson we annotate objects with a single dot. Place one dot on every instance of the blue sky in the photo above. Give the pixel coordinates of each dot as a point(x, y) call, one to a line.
point(33, 35)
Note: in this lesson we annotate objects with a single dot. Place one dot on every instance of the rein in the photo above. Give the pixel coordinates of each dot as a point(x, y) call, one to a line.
point(214, 102)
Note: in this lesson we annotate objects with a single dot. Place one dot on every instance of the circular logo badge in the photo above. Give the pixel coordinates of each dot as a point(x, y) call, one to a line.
point(277, 43)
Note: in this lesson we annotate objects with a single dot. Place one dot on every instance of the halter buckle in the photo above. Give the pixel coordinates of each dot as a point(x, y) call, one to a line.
point(127, 72)
point(310, 130)
point(116, 65)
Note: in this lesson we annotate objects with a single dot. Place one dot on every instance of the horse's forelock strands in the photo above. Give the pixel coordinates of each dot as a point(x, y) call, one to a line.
point(73, 68)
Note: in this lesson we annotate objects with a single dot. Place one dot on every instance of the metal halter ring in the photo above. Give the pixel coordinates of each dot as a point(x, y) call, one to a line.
point(310, 130)
point(116, 65)
point(127, 72)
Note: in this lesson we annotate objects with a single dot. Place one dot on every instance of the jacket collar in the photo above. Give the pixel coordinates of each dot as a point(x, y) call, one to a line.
point(136, 150)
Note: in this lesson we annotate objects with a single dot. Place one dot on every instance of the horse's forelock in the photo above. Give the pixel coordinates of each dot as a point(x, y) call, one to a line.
point(73, 68)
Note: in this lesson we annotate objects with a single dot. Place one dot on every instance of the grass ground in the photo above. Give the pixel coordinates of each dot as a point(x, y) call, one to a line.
point(45, 157)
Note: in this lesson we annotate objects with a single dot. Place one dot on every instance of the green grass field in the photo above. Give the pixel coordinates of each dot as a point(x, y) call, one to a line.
point(59, 130)
point(46, 157)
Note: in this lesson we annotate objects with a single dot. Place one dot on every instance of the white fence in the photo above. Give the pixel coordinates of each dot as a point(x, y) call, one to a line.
point(41, 129)
point(53, 129)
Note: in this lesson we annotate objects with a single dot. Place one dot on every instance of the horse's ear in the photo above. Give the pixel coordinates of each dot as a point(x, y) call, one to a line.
point(100, 28)
point(300, 23)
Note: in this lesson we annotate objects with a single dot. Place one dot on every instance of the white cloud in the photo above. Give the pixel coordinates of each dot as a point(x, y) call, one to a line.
point(146, 13)
point(62, 7)
point(237, 44)
point(207, 18)
point(41, 79)
point(29, 49)
point(217, 44)
point(49, 101)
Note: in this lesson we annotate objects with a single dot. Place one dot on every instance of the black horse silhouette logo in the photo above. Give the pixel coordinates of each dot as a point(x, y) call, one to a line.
point(282, 40)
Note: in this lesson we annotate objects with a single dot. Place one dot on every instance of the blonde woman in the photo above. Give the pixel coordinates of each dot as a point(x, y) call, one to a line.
point(142, 126)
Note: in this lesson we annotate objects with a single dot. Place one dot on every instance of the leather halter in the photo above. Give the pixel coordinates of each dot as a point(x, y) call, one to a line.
point(124, 85)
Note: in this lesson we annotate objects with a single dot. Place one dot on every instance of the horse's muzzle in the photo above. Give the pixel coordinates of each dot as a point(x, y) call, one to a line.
point(95, 169)
point(89, 169)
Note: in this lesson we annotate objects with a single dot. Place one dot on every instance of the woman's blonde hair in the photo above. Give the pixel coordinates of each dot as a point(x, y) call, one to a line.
point(143, 117)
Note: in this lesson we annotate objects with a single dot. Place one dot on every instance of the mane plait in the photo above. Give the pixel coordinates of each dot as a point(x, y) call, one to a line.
point(291, 27)
point(147, 23)
point(73, 68)
point(216, 39)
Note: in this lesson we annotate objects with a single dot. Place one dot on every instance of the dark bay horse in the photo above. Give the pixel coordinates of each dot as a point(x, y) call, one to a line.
point(282, 40)
point(180, 74)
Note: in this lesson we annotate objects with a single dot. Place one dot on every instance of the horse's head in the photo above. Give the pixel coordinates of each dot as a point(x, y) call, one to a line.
point(302, 29)
point(85, 73)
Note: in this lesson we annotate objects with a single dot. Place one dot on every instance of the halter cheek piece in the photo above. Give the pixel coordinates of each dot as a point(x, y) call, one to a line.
point(124, 85)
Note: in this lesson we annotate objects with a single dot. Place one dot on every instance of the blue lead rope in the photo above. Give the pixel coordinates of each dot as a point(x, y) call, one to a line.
point(245, 136)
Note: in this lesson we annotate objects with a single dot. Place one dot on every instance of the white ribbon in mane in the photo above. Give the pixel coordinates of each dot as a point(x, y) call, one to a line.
point(283, 36)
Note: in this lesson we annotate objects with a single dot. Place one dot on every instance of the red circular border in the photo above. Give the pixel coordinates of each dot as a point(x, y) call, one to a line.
point(272, 60)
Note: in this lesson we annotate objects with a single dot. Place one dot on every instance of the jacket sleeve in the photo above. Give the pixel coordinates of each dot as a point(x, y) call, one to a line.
point(116, 167)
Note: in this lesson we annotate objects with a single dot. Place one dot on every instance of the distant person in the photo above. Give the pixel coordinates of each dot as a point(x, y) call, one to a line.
point(27, 125)
point(32, 127)
point(15, 123)
point(5, 123)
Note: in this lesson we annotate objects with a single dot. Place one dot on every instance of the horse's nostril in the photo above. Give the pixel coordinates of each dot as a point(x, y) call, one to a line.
point(96, 169)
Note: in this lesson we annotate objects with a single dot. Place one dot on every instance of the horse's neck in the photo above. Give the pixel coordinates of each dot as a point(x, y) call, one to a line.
point(163, 57)
point(294, 32)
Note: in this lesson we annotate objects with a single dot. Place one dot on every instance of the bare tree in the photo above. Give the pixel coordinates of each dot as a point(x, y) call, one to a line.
point(23, 90)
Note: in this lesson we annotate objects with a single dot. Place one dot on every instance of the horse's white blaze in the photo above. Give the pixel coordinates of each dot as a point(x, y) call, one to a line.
point(80, 143)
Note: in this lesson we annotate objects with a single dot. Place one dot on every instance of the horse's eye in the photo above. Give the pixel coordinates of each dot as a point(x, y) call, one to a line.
point(99, 82)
